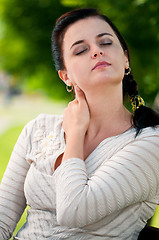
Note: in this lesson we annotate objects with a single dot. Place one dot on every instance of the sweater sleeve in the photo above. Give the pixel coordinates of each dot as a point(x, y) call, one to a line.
point(130, 176)
point(12, 200)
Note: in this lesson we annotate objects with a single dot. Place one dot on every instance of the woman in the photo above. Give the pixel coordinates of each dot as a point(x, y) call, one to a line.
point(92, 173)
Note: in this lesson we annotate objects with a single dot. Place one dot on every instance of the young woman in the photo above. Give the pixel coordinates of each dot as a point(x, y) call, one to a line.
point(92, 173)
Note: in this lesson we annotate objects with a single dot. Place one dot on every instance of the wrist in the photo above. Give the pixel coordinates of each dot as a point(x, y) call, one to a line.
point(76, 135)
point(74, 146)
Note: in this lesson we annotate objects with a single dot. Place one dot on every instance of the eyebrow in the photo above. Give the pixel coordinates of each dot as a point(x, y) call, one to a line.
point(98, 36)
point(102, 34)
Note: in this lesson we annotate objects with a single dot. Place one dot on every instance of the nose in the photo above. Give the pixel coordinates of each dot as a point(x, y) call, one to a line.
point(97, 53)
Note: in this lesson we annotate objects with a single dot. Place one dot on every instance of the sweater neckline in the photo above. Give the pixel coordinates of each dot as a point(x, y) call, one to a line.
point(104, 141)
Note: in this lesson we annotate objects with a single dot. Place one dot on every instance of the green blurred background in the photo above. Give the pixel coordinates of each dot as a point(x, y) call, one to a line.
point(25, 41)
point(28, 81)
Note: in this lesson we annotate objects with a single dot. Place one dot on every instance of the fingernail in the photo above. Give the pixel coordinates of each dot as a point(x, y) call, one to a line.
point(77, 88)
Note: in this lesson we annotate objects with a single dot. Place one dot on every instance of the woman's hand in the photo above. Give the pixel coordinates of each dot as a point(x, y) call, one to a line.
point(75, 123)
point(76, 115)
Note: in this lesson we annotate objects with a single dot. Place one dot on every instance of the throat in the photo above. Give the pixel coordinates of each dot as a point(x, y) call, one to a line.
point(92, 142)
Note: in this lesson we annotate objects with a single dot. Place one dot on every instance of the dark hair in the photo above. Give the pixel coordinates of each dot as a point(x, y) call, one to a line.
point(143, 116)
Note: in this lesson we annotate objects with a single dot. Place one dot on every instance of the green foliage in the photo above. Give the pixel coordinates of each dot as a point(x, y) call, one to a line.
point(25, 39)
point(26, 43)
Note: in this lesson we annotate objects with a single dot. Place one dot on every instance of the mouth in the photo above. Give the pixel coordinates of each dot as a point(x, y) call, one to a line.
point(101, 65)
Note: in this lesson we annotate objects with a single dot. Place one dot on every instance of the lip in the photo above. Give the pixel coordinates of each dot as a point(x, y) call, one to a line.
point(102, 64)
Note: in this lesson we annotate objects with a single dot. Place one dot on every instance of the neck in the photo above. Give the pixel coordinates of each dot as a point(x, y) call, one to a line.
point(107, 112)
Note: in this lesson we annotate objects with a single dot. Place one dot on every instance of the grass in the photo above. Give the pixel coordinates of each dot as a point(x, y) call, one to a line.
point(7, 142)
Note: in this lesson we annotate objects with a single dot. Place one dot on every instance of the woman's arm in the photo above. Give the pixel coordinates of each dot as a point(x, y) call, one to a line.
point(130, 176)
point(75, 123)
point(12, 199)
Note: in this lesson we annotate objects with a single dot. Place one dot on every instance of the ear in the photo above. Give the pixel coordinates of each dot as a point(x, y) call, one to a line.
point(126, 59)
point(64, 77)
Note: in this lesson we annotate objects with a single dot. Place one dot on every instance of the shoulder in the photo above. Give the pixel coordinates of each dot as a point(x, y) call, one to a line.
point(148, 138)
point(129, 137)
point(44, 123)
point(48, 119)
point(149, 132)
point(38, 134)
point(146, 144)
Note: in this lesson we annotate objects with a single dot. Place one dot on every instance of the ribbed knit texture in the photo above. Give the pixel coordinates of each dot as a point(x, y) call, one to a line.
point(110, 195)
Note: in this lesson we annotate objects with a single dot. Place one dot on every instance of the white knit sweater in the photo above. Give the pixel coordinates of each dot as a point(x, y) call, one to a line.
point(110, 195)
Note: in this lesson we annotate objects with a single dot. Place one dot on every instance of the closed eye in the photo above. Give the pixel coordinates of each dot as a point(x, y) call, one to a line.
point(78, 53)
point(108, 43)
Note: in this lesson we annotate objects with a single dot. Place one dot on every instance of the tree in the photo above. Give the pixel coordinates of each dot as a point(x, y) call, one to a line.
point(26, 42)
point(26, 39)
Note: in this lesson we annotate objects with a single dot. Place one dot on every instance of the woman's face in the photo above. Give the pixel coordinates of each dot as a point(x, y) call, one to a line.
point(93, 55)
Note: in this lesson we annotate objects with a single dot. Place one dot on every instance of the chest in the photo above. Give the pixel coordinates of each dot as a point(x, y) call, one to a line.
point(40, 186)
point(90, 146)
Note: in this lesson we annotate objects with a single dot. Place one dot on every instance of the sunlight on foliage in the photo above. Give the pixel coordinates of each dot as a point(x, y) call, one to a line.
point(73, 2)
point(139, 2)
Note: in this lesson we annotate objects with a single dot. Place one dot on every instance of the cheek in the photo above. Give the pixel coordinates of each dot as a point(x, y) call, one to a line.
point(121, 61)
point(118, 53)
point(77, 71)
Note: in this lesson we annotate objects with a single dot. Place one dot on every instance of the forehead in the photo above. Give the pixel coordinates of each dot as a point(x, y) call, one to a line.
point(86, 28)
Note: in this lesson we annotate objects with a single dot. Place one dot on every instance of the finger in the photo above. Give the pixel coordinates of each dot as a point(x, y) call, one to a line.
point(79, 93)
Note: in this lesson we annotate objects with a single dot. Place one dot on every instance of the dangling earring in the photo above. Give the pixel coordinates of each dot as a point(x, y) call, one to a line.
point(127, 71)
point(69, 88)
